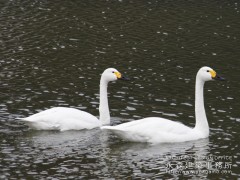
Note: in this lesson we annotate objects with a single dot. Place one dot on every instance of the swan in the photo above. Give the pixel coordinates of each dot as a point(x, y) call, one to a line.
point(159, 130)
point(64, 118)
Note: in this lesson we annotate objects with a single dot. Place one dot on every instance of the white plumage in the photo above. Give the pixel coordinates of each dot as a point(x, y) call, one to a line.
point(160, 130)
point(63, 118)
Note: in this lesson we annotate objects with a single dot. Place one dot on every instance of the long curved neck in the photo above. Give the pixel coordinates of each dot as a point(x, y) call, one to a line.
point(201, 119)
point(103, 106)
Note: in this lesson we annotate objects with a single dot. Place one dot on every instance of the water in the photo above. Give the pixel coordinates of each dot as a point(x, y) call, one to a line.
point(52, 54)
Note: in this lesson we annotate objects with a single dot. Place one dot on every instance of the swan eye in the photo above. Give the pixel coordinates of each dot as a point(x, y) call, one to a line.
point(207, 70)
point(112, 71)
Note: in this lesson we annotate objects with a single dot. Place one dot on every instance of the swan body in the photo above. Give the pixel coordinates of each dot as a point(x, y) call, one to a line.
point(154, 130)
point(159, 130)
point(63, 118)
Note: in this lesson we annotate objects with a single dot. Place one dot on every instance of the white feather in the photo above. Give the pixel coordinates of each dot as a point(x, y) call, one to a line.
point(63, 118)
point(160, 130)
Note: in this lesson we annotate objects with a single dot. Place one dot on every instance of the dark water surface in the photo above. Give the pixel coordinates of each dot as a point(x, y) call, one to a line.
point(53, 52)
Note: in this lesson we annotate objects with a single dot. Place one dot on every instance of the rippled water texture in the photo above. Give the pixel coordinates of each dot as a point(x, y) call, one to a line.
point(52, 54)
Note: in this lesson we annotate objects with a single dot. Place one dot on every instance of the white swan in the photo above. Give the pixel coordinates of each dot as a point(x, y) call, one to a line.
point(158, 130)
point(63, 118)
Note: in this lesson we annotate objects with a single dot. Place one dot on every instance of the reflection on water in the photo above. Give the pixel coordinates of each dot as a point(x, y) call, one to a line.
point(52, 54)
point(92, 154)
point(69, 152)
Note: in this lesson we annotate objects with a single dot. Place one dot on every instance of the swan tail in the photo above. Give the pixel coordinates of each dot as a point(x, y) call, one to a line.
point(113, 129)
point(36, 125)
point(126, 134)
point(118, 132)
point(107, 128)
point(21, 119)
point(26, 121)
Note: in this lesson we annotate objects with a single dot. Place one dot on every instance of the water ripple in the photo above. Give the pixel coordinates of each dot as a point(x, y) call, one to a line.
point(52, 54)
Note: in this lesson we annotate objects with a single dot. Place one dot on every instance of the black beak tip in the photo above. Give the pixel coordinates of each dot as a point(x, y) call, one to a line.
point(219, 78)
point(222, 79)
point(124, 78)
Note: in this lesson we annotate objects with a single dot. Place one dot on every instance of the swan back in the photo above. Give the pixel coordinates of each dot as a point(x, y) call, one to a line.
point(153, 130)
point(62, 118)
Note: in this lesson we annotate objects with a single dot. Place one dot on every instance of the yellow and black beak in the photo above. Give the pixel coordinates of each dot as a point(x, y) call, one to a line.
point(215, 76)
point(121, 77)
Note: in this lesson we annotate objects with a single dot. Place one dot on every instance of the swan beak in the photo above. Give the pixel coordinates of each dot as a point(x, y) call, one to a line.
point(215, 76)
point(124, 78)
point(219, 78)
point(121, 77)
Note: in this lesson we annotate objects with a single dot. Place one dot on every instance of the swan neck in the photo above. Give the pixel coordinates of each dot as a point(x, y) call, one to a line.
point(103, 106)
point(201, 119)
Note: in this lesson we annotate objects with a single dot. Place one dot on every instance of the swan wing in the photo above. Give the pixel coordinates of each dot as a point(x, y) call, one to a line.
point(61, 118)
point(151, 130)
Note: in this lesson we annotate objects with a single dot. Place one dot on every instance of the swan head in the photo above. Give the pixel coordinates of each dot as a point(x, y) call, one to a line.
point(112, 74)
point(208, 74)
